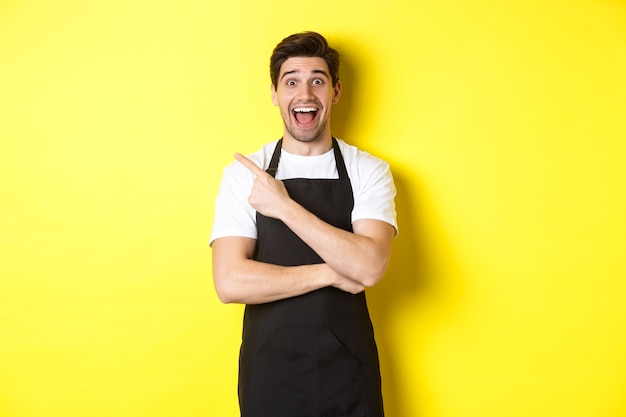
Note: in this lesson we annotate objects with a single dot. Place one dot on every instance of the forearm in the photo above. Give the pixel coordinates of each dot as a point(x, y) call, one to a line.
point(253, 282)
point(240, 279)
point(360, 257)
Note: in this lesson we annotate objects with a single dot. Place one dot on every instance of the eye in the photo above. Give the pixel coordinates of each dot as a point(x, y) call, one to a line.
point(318, 81)
point(291, 82)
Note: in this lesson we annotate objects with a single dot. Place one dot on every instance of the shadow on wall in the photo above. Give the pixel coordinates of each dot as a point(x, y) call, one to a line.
point(343, 112)
point(412, 279)
point(402, 280)
point(404, 284)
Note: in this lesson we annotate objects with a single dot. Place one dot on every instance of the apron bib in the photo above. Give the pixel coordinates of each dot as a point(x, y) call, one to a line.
point(313, 355)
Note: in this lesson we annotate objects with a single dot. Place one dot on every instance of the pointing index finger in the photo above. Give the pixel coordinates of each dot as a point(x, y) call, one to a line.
point(249, 164)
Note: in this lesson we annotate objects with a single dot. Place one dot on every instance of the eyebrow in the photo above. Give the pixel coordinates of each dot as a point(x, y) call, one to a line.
point(315, 71)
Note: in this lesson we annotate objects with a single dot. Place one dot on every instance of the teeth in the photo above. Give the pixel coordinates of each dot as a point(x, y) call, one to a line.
point(304, 109)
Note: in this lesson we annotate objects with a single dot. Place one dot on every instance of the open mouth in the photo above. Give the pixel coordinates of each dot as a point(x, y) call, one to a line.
point(305, 115)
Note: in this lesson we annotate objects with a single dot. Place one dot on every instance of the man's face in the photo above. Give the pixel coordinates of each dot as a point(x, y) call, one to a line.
point(305, 94)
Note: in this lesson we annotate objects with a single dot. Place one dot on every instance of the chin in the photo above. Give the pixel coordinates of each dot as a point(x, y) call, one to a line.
point(307, 137)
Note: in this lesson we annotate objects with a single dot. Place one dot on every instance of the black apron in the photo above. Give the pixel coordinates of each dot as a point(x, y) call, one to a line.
point(312, 355)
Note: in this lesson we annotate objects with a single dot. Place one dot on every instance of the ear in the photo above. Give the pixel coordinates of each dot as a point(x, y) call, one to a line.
point(336, 92)
point(274, 96)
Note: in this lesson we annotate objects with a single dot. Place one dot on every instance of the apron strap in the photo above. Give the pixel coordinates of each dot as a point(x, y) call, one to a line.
point(341, 165)
point(275, 158)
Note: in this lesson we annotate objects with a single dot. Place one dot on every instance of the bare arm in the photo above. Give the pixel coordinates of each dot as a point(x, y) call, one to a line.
point(240, 279)
point(361, 256)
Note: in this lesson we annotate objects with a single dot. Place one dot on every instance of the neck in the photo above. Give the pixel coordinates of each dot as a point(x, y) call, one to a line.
point(315, 147)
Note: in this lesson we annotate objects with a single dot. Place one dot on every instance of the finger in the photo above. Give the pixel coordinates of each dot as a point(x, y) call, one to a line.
point(249, 164)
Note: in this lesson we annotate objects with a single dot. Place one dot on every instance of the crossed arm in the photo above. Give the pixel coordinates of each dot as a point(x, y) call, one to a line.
point(353, 261)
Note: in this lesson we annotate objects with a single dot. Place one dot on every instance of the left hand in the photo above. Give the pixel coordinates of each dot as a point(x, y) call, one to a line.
point(268, 195)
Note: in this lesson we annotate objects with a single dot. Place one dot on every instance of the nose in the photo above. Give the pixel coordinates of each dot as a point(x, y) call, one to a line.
point(305, 92)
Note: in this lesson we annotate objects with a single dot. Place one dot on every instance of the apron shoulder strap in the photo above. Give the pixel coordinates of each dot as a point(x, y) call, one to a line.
point(275, 158)
point(341, 166)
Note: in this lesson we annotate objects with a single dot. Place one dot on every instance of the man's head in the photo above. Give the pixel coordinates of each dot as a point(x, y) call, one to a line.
point(305, 44)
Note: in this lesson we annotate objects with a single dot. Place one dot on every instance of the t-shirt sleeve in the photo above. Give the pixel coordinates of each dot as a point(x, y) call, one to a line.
point(374, 196)
point(233, 214)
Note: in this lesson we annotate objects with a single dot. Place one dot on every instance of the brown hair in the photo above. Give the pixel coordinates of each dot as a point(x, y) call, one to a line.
point(304, 44)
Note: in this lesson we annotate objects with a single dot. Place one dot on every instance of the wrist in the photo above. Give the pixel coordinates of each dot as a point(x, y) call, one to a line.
point(289, 213)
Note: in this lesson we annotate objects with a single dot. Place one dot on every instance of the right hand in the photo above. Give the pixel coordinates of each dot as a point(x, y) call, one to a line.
point(268, 195)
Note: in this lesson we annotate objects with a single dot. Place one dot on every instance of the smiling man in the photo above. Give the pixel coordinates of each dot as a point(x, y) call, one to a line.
point(301, 228)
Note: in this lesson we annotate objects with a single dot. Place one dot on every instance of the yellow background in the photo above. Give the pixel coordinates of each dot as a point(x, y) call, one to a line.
point(505, 126)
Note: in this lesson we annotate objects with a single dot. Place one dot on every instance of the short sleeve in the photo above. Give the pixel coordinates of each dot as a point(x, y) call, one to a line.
point(233, 214)
point(375, 193)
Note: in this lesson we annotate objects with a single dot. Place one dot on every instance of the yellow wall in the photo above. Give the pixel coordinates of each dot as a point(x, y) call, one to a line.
point(503, 121)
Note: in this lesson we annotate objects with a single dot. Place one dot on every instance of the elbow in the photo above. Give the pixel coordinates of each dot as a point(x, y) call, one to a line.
point(229, 257)
point(224, 297)
point(373, 264)
point(225, 292)
point(371, 280)
point(372, 275)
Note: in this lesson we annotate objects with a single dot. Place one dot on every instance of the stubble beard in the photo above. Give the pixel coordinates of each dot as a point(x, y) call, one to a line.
point(306, 135)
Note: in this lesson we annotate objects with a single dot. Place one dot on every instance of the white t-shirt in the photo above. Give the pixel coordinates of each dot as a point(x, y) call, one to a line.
point(371, 179)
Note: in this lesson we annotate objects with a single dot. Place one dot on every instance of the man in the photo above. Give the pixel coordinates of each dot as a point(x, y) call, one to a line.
point(301, 228)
